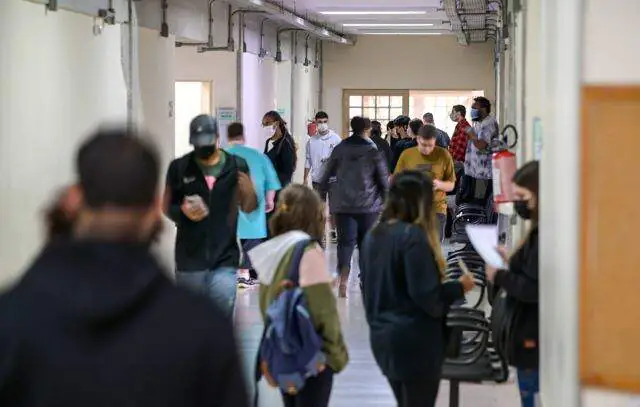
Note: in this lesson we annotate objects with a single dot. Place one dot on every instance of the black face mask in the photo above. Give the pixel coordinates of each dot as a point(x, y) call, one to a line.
point(204, 153)
point(522, 209)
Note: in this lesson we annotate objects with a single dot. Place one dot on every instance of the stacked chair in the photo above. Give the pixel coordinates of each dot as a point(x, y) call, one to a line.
point(471, 355)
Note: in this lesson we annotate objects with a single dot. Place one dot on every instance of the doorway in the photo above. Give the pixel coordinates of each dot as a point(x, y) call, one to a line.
point(192, 98)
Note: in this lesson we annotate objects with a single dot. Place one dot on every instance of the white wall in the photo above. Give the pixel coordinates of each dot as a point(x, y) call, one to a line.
point(258, 96)
point(58, 82)
point(404, 62)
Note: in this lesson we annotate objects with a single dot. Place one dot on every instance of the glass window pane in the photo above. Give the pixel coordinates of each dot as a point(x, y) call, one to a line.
point(355, 100)
point(395, 112)
point(382, 113)
point(369, 112)
point(383, 101)
point(369, 101)
point(353, 112)
point(396, 101)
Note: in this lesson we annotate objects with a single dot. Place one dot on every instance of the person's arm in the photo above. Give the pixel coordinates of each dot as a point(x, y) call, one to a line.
point(381, 172)
point(307, 162)
point(271, 184)
point(423, 276)
point(247, 198)
point(316, 282)
point(448, 182)
point(287, 159)
point(172, 195)
point(523, 283)
point(401, 165)
point(330, 169)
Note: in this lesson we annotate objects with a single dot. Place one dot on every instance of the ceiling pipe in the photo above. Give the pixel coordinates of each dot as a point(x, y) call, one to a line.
point(241, 13)
point(164, 27)
point(209, 42)
point(292, 18)
point(279, 42)
point(263, 51)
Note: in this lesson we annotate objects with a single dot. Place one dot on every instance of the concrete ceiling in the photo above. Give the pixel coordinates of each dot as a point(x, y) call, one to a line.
point(374, 16)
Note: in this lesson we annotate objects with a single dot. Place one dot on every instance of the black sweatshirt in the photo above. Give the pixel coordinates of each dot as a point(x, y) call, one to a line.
point(99, 324)
point(521, 284)
point(283, 157)
point(405, 302)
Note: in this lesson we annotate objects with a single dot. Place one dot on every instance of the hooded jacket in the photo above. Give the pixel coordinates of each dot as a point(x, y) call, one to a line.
point(271, 260)
point(99, 324)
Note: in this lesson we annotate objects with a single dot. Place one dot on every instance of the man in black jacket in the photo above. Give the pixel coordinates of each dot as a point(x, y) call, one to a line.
point(96, 322)
point(203, 192)
point(356, 198)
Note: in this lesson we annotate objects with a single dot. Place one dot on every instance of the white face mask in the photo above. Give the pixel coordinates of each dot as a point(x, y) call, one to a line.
point(323, 127)
point(269, 131)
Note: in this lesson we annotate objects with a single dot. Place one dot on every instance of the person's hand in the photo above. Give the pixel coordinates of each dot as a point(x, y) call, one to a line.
point(194, 212)
point(437, 185)
point(467, 282)
point(491, 273)
point(471, 134)
point(269, 206)
point(244, 181)
point(504, 253)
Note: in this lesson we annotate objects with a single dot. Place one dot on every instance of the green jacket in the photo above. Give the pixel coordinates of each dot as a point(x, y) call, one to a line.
point(321, 303)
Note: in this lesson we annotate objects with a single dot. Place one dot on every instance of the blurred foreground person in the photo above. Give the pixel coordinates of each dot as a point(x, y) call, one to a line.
point(95, 321)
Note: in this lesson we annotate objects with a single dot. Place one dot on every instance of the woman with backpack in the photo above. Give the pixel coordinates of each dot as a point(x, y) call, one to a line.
point(517, 313)
point(405, 300)
point(293, 261)
point(279, 146)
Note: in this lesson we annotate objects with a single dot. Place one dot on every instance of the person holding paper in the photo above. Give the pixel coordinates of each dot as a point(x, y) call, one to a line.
point(435, 162)
point(520, 283)
point(404, 297)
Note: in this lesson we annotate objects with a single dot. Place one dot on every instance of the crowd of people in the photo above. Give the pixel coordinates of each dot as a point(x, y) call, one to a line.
point(97, 321)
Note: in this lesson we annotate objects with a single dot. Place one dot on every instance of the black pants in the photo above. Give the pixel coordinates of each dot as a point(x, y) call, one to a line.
point(416, 393)
point(474, 191)
point(316, 392)
point(442, 222)
point(352, 228)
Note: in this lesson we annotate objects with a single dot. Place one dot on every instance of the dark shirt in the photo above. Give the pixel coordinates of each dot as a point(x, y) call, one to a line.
point(282, 154)
point(99, 324)
point(384, 148)
point(405, 301)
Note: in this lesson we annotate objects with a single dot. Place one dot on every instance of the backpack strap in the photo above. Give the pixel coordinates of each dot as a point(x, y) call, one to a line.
point(293, 272)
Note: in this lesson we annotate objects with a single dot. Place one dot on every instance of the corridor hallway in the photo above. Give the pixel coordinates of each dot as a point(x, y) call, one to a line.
point(361, 384)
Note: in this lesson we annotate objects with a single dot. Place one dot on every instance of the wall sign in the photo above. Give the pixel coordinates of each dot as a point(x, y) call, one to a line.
point(225, 116)
point(537, 138)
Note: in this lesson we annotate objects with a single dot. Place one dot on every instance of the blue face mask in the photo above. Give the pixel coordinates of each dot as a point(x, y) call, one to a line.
point(475, 114)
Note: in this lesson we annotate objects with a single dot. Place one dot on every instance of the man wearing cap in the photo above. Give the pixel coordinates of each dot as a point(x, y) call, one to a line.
point(204, 191)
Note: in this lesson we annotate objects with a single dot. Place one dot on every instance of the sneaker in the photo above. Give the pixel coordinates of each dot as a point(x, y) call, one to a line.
point(244, 282)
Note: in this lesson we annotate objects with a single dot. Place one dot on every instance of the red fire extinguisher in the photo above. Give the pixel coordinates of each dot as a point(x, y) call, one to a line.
point(504, 167)
point(312, 129)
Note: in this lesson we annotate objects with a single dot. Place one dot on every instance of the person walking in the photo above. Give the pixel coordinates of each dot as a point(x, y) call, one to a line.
point(356, 200)
point(252, 226)
point(96, 321)
point(405, 300)
point(205, 189)
point(279, 146)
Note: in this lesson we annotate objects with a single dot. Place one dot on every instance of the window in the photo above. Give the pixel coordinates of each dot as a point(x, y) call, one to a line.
point(440, 104)
point(191, 100)
point(380, 105)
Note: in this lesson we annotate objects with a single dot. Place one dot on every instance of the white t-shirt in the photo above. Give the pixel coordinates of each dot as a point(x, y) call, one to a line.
point(318, 151)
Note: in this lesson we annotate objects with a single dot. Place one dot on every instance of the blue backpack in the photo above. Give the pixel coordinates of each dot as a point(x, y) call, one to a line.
point(290, 351)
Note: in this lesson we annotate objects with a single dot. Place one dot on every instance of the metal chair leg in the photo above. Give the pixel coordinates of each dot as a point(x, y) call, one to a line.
point(454, 393)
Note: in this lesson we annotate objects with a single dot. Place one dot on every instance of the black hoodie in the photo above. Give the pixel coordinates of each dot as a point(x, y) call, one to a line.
point(98, 324)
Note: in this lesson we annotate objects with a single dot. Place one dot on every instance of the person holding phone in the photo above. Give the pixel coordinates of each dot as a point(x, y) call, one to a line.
point(405, 299)
point(520, 283)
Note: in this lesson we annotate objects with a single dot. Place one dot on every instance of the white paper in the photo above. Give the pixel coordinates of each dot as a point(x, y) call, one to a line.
point(484, 239)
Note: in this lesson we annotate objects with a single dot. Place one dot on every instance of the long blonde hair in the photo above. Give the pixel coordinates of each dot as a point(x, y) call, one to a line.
point(410, 200)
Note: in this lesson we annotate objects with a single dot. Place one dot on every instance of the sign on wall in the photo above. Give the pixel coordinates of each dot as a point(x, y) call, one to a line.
point(537, 138)
point(225, 116)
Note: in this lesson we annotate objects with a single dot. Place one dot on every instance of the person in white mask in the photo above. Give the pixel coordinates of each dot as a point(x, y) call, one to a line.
point(318, 150)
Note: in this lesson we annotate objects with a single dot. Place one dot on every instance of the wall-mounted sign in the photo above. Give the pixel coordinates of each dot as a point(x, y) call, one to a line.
point(537, 138)
point(226, 116)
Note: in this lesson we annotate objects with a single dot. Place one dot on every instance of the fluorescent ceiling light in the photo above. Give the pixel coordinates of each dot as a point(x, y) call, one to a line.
point(257, 2)
point(300, 21)
point(325, 32)
point(388, 25)
point(372, 13)
point(400, 33)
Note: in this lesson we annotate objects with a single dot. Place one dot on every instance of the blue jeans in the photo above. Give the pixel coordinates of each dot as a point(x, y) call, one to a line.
point(529, 385)
point(219, 285)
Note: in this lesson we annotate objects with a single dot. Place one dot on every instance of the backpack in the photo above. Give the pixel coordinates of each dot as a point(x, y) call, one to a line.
point(290, 350)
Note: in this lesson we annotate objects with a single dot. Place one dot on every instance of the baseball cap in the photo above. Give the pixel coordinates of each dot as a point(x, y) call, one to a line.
point(203, 131)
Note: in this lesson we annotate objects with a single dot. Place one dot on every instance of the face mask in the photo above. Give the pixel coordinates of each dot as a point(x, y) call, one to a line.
point(323, 127)
point(475, 114)
point(204, 153)
point(269, 131)
point(522, 209)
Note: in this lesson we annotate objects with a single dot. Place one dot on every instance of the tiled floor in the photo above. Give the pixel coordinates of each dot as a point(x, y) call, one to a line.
point(361, 384)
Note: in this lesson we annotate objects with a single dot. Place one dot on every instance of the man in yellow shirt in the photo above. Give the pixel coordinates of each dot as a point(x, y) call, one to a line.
point(434, 161)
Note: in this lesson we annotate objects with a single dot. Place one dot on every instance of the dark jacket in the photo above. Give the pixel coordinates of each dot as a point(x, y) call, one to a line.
point(385, 149)
point(100, 325)
point(405, 302)
point(283, 156)
point(399, 148)
point(520, 283)
point(362, 178)
point(212, 242)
